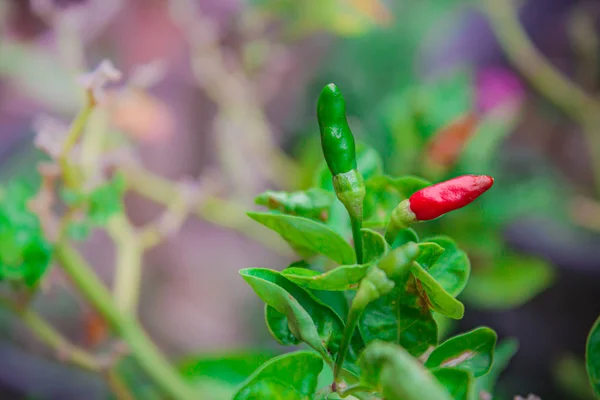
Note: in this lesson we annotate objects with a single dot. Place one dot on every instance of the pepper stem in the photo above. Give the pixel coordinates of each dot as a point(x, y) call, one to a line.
point(357, 237)
point(353, 317)
point(350, 190)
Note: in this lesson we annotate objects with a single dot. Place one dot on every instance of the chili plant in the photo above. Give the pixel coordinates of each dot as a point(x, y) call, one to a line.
point(367, 308)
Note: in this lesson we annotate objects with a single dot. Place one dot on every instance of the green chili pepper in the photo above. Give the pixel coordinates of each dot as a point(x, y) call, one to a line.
point(336, 137)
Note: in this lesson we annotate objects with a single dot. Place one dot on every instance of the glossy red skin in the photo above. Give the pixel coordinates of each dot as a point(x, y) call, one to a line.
point(436, 200)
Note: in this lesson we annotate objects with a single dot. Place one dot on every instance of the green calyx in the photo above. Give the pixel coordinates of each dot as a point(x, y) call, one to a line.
point(337, 140)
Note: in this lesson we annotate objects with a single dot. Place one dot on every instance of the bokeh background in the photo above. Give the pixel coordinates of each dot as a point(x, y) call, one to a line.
point(226, 89)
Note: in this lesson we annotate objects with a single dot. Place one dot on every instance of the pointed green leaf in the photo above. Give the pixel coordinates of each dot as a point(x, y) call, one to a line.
point(452, 268)
point(343, 277)
point(307, 234)
point(394, 373)
point(405, 236)
point(290, 376)
point(504, 351)
point(298, 315)
point(374, 246)
point(429, 253)
point(592, 356)
point(459, 383)
point(472, 351)
point(439, 300)
point(512, 281)
point(402, 317)
point(312, 203)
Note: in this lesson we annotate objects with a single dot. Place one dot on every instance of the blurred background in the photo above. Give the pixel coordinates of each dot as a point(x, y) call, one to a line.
point(226, 90)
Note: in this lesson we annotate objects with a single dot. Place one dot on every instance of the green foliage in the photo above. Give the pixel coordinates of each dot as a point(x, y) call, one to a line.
point(297, 315)
point(512, 281)
point(372, 322)
point(290, 376)
point(383, 363)
point(308, 237)
point(25, 253)
point(472, 351)
point(592, 356)
point(97, 205)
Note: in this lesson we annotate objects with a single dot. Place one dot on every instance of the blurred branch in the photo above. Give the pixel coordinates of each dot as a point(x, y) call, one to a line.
point(573, 100)
point(66, 351)
point(242, 130)
point(210, 208)
point(582, 34)
point(128, 266)
point(146, 353)
point(63, 348)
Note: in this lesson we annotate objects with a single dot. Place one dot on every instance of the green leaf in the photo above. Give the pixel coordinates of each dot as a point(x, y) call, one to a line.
point(452, 268)
point(308, 319)
point(472, 351)
point(428, 254)
point(303, 233)
point(592, 356)
point(512, 281)
point(402, 317)
point(459, 383)
point(374, 245)
point(25, 253)
point(232, 368)
point(312, 203)
point(439, 300)
point(405, 236)
point(343, 277)
point(106, 200)
point(394, 373)
point(504, 351)
point(217, 376)
point(290, 376)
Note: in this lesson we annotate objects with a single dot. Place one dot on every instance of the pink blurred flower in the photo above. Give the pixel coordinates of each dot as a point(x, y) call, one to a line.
point(497, 86)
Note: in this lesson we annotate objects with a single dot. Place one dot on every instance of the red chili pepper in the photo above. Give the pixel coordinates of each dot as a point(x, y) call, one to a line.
point(436, 200)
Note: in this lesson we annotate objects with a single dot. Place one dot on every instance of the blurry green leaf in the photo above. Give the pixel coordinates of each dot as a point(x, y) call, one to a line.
point(394, 373)
point(402, 317)
point(502, 354)
point(374, 245)
point(459, 383)
point(290, 376)
point(512, 281)
point(442, 100)
point(312, 203)
point(472, 351)
point(343, 277)
point(439, 300)
point(429, 253)
point(592, 356)
point(452, 268)
point(25, 253)
point(308, 236)
point(571, 377)
point(307, 318)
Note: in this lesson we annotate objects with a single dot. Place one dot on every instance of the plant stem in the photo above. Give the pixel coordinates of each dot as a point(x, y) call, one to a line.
point(574, 101)
point(75, 131)
point(147, 355)
point(48, 335)
point(357, 237)
point(353, 389)
point(128, 269)
point(353, 317)
point(217, 211)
